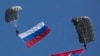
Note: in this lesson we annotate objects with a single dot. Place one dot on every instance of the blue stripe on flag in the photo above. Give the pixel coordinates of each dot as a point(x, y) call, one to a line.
point(75, 54)
point(33, 35)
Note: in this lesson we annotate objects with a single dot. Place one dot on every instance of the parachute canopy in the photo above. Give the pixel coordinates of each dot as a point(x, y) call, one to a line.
point(84, 29)
point(35, 34)
point(11, 13)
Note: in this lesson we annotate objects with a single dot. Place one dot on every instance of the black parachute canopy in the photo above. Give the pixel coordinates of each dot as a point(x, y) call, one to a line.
point(11, 13)
point(84, 29)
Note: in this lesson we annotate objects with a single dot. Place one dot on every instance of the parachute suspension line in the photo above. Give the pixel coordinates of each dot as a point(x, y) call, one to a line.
point(16, 26)
point(85, 43)
point(15, 23)
point(85, 37)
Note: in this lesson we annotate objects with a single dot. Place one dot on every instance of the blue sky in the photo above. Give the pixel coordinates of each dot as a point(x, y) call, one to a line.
point(57, 14)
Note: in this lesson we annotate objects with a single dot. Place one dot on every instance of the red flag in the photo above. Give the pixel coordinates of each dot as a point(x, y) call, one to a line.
point(70, 53)
point(77, 52)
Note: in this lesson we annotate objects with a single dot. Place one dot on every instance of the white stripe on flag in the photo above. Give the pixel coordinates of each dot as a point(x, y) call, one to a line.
point(32, 30)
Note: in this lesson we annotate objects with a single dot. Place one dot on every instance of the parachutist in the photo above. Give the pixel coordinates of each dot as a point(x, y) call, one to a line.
point(11, 15)
point(17, 32)
point(85, 46)
point(84, 29)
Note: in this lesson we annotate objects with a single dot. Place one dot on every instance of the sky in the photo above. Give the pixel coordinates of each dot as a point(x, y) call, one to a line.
point(57, 15)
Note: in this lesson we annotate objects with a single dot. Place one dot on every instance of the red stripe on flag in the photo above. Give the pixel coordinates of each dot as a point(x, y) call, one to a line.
point(37, 38)
point(62, 54)
point(78, 51)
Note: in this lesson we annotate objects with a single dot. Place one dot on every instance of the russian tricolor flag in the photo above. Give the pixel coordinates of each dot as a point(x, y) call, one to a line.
point(35, 34)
